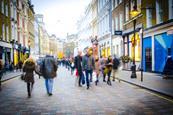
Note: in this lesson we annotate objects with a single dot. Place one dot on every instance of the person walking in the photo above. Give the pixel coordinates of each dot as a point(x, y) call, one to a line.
point(116, 63)
point(20, 63)
point(109, 69)
point(78, 66)
point(88, 66)
point(97, 70)
point(28, 69)
point(102, 67)
point(1, 71)
point(49, 66)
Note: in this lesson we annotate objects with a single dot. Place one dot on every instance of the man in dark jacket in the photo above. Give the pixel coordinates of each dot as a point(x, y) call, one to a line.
point(49, 72)
point(78, 66)
point(115, 66)
point(88, 64)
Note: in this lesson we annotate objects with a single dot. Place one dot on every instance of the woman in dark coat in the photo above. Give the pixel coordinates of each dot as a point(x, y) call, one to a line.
point(28, 68)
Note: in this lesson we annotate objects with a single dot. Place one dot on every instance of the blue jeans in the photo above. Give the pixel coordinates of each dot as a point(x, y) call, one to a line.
point(87, 73)
point(49, 85)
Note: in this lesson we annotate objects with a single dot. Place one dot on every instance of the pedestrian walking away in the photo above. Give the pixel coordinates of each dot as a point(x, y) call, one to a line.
point(108, 69)
point(97, 70)
point(88, 66)
point(28, 70)
point(115, 66)
point(49, 67)
point(78, 66)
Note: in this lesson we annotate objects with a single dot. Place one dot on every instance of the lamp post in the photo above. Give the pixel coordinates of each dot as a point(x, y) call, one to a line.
point(134, 13)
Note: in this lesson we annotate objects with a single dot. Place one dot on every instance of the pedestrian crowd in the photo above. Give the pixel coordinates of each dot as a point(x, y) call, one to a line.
point(87, 67)
point(84, 67)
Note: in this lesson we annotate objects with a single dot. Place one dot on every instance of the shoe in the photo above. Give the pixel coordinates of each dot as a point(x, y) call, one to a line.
point(113, 80)
point(50, 94)
point(104, 80)
point(87, 87)
point(29, 95)
point(95, 82)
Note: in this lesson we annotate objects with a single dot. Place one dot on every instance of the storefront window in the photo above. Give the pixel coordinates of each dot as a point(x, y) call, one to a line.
point(137, 47)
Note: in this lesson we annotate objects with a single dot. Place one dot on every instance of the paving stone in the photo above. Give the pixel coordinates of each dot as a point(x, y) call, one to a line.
point(68, 99)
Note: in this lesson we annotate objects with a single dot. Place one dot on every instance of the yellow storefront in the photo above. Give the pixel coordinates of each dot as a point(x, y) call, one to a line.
point(137, 44)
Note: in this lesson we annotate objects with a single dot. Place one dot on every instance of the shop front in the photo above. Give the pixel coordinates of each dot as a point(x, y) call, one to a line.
point(6, 53)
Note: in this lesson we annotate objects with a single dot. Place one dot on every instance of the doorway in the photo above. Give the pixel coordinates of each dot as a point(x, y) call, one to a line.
point(148, 59)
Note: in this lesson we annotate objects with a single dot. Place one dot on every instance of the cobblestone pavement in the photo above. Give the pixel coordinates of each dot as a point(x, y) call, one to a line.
point(68, 99)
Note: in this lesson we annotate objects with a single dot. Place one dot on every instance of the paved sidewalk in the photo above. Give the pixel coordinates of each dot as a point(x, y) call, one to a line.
point(10, 75)
point(151, 81)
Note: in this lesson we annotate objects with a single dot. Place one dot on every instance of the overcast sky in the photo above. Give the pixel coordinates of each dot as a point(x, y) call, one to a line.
point(60, 16)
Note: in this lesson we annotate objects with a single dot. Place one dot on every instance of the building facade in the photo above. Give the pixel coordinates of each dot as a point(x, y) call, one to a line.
point(117, 27)
point(158, 34)
point(85, 29)
point(6, 53)
point(104, 27)
point(30, 28)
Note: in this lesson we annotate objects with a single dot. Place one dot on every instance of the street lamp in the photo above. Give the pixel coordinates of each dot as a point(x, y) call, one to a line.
point(134, 13)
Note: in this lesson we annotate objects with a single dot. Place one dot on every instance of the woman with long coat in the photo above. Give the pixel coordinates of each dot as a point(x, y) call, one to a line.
point(28, 68)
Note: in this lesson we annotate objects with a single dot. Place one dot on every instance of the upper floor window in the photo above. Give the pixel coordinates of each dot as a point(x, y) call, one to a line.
point(159, 12)
point(6, 9)
point(121, 21)
point(2, 6)
point(120, 1)
point(3, 32)
point(132, 4)
point(116, 24)
point(149, 18)
point(127, 12)
point(7, 34)
point(170, 9)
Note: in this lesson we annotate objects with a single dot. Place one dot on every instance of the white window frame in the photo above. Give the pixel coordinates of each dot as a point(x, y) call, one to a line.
point(132, 3)
point(149, 17)
point(127, 12)
point(2, 6)
point(7, 33)
point(3, 31)
point(159, 12)
point(170, 9)
point(120, 1)
point(6, 10)
point(116, 24)
point(121, 21)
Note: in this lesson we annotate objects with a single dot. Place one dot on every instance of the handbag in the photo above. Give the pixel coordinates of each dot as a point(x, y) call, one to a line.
point(22, 76)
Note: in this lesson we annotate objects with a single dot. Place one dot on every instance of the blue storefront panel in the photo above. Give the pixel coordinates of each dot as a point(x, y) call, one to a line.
point(147, 43)
point(162, 42)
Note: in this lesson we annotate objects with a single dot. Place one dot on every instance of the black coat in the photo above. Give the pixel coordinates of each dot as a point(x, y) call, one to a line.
point(78, 64)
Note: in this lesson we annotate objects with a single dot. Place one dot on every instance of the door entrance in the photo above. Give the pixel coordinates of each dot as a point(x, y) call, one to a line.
point(148, 59)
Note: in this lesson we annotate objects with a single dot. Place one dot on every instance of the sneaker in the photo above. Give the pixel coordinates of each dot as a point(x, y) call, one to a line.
point(50, 94)
point(87, 87)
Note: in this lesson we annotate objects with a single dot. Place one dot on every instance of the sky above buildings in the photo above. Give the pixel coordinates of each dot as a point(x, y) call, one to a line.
point(60, 16)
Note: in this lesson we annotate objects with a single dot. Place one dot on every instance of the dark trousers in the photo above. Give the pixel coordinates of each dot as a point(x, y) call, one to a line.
point(0, 83)
point(87, 73)
point(80, 78)
point(29, 87)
